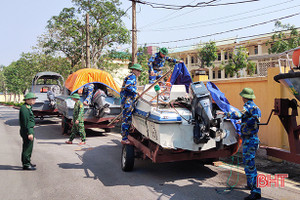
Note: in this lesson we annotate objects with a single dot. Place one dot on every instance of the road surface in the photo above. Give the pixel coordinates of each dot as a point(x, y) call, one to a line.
point(93, 171)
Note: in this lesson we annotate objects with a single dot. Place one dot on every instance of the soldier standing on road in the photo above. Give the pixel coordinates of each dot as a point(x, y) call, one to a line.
point(250, 116)
point(128, 95)
point(78, 122)
point(156, 62)
point(27, 123)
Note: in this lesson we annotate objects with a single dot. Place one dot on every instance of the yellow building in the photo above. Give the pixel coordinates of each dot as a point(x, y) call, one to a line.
point(257, 51)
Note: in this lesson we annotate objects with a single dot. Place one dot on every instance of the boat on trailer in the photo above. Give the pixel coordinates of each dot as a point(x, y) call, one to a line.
point(105, 103)
point(46, 86)
point(173, 125)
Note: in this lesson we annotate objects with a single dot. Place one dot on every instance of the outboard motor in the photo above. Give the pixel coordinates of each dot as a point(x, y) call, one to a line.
point(99, 104)
point(202, 114)
point(51, 98)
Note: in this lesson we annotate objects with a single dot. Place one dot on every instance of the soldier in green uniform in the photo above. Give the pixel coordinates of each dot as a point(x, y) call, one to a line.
point(27, 123)
point(78, 122)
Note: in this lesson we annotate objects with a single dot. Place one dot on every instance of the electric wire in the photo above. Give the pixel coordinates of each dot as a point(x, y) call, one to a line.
point(215, 19)
point(216, 23)
point(203, 4)
point(231, 30)
point(160, 19)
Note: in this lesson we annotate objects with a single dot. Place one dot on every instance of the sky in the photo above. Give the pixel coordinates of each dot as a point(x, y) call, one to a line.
point(22, 21)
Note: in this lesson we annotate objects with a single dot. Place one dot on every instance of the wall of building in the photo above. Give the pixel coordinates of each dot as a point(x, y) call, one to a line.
point(11, 98)
point(265, 90)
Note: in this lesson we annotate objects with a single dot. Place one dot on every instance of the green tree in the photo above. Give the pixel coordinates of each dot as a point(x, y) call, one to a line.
point(207, 54)
point(2, 79)
point(238, 61)
point(142, 59)
point(66, 32)
point(286, 38)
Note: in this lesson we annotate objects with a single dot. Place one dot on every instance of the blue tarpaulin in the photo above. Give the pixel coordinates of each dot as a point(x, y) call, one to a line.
point(223, 103)
point(181, 76)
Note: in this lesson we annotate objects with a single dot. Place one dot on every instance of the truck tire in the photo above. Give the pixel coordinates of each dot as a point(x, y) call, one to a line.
point(127, 158)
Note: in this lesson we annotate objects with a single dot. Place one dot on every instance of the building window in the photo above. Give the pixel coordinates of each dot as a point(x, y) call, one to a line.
point(192, 59)
point(219, 74)
point(230, 55)
point(214, 74)
point(226, 55)
point(219, 56)
point(255, 50)
point(186, 60)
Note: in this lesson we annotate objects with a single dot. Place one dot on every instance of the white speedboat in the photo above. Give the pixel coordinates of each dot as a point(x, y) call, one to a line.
point(172, 125)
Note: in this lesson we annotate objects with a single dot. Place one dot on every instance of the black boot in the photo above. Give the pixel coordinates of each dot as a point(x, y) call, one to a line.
point(253, 196)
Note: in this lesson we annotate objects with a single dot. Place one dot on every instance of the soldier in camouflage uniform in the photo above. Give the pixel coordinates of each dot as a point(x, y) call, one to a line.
point(128, 95)
point(250, 117)
point(78, 122)
point(26, 119)
point(156, 62)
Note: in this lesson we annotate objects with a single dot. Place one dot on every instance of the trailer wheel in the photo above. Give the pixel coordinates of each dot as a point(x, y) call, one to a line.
point(107, 130)
point(127, 158)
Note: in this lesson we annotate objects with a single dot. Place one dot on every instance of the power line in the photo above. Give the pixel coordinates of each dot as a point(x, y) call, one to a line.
point(202, 4)
point(231, 30)
point(162, 20)
point(224, 40)
point(187, 26)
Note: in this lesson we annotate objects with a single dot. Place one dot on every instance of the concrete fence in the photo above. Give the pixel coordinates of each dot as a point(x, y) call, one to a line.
point(11, 98)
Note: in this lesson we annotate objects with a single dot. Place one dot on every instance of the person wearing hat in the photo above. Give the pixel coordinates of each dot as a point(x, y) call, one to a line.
point(156, 62)
point(78, 122)
point(250, 117)
point(128, 95)
point(26, 119)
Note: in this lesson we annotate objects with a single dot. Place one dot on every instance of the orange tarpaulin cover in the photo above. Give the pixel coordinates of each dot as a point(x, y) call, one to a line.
point(84, 76)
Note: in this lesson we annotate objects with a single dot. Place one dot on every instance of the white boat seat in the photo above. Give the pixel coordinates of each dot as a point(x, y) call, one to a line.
point(177, 91)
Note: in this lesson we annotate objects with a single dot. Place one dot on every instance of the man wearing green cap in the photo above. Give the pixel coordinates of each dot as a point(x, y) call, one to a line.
point(156, 62)
point(26, 119)
point(78, 121)
point(128, 95)
point(250, 117)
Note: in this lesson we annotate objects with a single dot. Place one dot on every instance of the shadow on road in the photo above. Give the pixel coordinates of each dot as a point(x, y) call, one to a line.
point(9, 167)
point(172, 180)
point(12, 122)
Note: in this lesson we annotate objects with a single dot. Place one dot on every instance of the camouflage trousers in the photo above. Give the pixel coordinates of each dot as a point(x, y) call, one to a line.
point(249, 150)
point(127, 117)
point(78, 129)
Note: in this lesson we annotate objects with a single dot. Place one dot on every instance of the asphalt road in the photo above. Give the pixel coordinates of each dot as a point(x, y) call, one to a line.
point(93, 171)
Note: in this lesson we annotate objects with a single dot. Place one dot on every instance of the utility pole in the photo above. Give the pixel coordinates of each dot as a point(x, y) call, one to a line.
point(134, 33)
point(88, 59)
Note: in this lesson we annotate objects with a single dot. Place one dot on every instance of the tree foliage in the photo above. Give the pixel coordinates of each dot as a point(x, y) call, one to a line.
point(286, 38)
point(238, 61)
point(66, 32)
point(208, 54)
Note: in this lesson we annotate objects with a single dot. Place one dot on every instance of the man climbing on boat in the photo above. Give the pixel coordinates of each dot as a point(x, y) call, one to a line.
point(156, 62)
point(128, 95)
